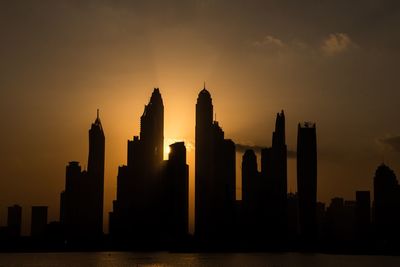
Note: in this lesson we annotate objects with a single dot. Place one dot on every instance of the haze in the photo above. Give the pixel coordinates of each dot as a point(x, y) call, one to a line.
point(331, 62)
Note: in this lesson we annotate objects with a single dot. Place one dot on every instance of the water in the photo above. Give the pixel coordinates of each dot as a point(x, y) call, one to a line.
point(117, 259)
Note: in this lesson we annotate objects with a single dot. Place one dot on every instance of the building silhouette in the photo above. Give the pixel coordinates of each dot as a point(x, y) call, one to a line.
point(272, 185)
point(386, 204)
point(307, 180)
point(139, 211)
point(38, 221)
point(250, 194)
point(214, 176)
point(363, 216)
point(81, 203)
point(293, 217)
point(255, 193)
point(14, 221)
point(95, 175)
point(177, 194)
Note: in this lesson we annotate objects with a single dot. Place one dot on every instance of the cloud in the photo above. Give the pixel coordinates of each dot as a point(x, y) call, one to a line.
point(393, 142)
point(241, 148)
point(337, 43)
point(270, 41)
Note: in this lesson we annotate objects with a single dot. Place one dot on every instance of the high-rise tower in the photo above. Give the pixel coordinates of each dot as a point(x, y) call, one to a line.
point(273, 183)
point(203, 160)
point(307, 180)
point(214, 175)
point(95, 175)
point(386, 204)
point(152, 129)
point(81, 210)
point(137, 212)
point(279, 179)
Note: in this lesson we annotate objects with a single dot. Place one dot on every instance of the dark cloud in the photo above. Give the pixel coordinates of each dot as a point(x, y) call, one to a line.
point(241, 148)
point(392, 141)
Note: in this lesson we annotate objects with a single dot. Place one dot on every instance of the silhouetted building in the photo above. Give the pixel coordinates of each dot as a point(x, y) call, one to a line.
point(95, 177)
point(363, 215)
point(250, 195)
point(249, 185)
point(341, 220)
point(38, 221)
point(386, 204)
point(279, 178)
point(293, 216)
point(177, 194)
point(81, 203)
point(273, 184)
point(139, 210)
point(307, 180)
point(214, 176)
point(321, 221)
point(14, 221)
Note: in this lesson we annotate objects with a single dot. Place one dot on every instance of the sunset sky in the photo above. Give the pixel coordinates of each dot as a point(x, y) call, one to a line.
point(332, 62)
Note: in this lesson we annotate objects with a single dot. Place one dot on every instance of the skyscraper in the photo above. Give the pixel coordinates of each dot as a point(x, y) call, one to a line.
point(279, 178)
point(138, 210)
point(214, 175)
point(307, 180)
point(81, 205)
point(252, 193)
point(177, 193)
point(273, 183)
point(386, 204)
point(95, 175)
point(203, 161)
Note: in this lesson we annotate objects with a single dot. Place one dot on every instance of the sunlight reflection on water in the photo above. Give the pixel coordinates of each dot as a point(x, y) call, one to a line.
point(162, 259)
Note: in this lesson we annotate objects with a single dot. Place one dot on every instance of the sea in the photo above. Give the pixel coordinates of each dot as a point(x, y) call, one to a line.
point(117, 259)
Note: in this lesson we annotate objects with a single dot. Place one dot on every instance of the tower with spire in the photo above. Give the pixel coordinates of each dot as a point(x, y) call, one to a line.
point(138, 210)
point(95, 173)
point(214, 175)
point(81, 211)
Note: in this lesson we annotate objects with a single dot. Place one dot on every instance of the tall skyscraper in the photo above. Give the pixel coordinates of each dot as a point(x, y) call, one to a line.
point(95, 175)
point(214, 175)
point(307, 180)
point(386, 204)
point(138, 210)
point(252, 199)
point(81, 205)
point(204, 161)
point(279, 178)
point(249, 179)
point(38, 221)
point(273, 184)
point(177, 194)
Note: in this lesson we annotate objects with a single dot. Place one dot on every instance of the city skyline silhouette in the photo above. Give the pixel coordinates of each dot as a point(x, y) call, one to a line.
point(332, 63)
point(152, 206)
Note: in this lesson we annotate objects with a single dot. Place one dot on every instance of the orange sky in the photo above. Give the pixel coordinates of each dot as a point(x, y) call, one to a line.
point(332, 62)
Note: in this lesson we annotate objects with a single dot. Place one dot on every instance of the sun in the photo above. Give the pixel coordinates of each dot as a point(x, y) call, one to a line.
point(167, 149)
point(167, 143)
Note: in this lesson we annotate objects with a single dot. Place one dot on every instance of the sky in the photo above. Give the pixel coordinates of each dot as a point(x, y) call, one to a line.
point(331, 62)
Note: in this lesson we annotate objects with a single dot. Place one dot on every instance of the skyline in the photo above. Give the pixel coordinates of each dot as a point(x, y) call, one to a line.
point(152, 206)
point(239, 153)
point(292, 183)
point(333, 63)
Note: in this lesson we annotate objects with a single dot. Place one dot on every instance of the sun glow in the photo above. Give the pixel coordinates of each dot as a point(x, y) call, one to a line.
point(169, 141)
